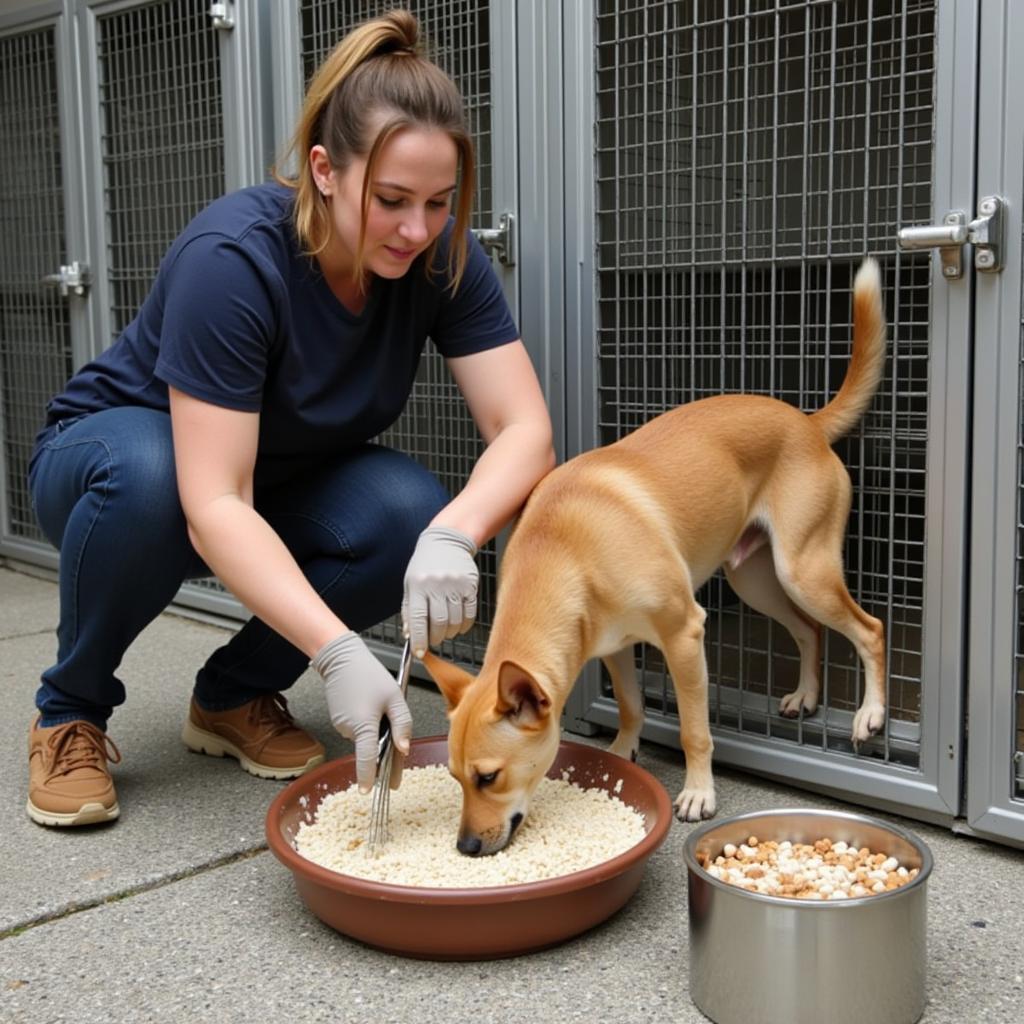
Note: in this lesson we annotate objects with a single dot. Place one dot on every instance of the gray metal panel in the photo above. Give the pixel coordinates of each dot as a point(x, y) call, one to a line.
point(21, 14)
point(286, 65)
point(580, 410)
point(553, 216)
point(246, 60)
point(541, 213)
point(949, 404)
point(506, 139)
point(747, 155)
point(101, 330)
point(995, 793)
point(38, 553)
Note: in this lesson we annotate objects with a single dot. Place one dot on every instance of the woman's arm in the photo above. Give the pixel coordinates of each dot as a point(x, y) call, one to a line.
point(215, 452)
point(506, 402)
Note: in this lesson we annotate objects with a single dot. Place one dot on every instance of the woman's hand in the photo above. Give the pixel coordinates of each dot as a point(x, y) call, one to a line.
point(359, 691)
point(440, 588)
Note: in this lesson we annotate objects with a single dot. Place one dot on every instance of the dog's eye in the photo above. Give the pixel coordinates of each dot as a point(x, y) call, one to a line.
point(486, 780)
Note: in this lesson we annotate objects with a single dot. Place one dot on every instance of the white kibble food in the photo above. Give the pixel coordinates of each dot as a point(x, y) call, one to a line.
point(568, 829)
point(807, 871)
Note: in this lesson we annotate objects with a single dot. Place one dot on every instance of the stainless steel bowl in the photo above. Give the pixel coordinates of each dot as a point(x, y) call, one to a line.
point(757, 958)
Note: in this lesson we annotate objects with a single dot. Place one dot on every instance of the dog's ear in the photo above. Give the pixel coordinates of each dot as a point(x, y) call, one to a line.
point(521, 697)
point(451, 680)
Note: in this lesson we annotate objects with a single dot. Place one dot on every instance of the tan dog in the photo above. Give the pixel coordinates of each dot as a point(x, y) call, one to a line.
point(611, 547)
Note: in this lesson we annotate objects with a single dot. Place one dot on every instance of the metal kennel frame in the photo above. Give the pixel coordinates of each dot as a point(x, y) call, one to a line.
point(692, 185)
point(995, 723)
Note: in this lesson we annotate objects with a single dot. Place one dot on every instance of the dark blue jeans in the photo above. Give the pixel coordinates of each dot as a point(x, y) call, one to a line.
point(105, 494)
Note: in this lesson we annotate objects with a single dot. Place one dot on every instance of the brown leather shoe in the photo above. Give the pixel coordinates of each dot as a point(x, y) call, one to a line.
point(68, 780)
point(262, 735)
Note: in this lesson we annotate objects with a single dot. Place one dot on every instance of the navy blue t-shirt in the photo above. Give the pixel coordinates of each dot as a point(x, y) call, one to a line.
point(239, 317)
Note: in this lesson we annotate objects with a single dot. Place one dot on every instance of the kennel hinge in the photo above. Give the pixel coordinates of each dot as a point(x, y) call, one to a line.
point(500, 240)
point(985, 233)
point(74, 278)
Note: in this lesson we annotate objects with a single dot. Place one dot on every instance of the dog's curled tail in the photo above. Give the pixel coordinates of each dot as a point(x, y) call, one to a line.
point(867, 361)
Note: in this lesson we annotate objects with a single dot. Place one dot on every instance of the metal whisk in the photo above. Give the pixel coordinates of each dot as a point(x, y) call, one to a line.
point(381, 806)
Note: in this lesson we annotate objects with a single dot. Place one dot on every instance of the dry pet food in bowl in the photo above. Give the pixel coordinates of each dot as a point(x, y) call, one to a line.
point(568, 829)
point(821, 870)
point(472, 921)
point(803, 956)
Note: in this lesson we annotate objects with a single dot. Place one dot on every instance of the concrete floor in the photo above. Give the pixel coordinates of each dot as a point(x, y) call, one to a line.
point(177, 912)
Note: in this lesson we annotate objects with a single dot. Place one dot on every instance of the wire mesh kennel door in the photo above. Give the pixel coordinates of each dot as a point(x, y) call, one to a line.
point(746, 155)
point(41, 321)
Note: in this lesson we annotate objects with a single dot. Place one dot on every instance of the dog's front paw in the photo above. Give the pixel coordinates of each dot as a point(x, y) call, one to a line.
point(867, 722)
point(695, 804)
point(797, 703)
point(625, 747)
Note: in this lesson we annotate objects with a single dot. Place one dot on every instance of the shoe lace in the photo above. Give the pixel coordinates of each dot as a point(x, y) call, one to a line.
point(80, 745)
point(272, 712)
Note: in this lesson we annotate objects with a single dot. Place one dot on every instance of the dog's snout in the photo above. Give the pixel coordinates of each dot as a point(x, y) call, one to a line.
point(517, 820)
point(469, 845)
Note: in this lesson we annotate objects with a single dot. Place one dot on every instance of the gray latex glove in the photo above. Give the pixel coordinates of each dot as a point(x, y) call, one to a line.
point(359, 691)
point(440, 588)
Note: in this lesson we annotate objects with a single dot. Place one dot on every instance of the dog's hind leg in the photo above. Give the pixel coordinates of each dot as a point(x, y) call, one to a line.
point(812, 575)
point(681, 639)
point(755, 582)
point(621, 668)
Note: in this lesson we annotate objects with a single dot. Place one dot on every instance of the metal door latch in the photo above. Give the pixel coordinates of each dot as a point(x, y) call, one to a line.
point(222, 15)
point(500, 240)
point(985, 233)
point(74, 278)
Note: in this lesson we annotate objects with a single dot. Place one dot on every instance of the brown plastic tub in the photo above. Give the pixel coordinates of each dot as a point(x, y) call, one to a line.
point(470, 924)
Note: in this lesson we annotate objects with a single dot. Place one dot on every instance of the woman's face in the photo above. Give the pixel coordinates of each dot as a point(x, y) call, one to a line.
point(410, 197)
